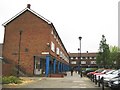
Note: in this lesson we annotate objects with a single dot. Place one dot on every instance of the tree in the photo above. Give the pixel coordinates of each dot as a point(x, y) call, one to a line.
point(115, 56)
point(103, 54)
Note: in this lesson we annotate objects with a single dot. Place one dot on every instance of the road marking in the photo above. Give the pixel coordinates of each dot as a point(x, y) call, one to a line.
point(83, 87)
point(82, 84)
point(77, 81)
point(78, 87)
point(75, 87)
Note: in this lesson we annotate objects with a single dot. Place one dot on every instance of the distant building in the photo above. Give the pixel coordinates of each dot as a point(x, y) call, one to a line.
point(33, 42)
point(87, 60)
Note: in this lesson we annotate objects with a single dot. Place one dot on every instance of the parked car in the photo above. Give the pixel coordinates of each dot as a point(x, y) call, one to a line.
point(104, 74)
point(87, 70)
point(108, 77)
point(97, 71)
point(114, 83)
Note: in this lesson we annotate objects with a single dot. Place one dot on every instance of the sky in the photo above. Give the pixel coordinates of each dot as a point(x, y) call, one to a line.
point(89, 19)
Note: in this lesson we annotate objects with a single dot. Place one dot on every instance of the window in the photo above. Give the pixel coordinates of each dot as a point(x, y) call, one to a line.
point(90, 57)
point(73, 62)
point(76, 57)
point(93, 62)
point(94, 57)
point(52, 32)
point(54, 36)
point(83, 57)
point(83, 62)
point(57, 51)
point(57, 39)
point(71, 58)
point(60, 53)
point(52, 46)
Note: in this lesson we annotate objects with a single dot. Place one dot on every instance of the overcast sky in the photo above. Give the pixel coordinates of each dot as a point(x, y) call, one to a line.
point(72, 18)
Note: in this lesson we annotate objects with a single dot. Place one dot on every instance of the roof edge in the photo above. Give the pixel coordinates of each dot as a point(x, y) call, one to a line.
point(18, 14)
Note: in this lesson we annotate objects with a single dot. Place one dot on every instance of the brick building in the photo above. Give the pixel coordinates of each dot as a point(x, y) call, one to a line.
point(32, 43)
point(1, 45)
point(87, 60)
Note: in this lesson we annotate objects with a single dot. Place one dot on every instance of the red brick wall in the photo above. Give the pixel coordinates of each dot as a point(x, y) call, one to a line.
point(34, 38)
point(7, 70)
point(1, 50)
point(60, 48)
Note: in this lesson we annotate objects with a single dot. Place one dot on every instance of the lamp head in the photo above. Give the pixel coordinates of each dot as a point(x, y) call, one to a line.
point(80, 38)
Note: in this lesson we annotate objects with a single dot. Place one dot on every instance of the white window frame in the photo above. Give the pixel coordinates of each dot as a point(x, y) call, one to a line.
point(57, 51)
point(83, 62)
point(71, 58)
point(93, 62)
point(52, 32)
point(60, 53)
point(73, 62)
point(52, 46)
point(76, 58)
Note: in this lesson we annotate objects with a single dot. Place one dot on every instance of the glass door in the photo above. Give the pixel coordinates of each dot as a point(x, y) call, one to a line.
point(37, 68)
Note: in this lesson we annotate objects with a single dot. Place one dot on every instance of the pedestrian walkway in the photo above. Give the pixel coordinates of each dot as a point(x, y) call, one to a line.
point(79, 82)
point(68, 81)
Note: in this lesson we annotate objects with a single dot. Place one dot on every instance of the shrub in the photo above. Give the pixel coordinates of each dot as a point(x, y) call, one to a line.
point(10, 79)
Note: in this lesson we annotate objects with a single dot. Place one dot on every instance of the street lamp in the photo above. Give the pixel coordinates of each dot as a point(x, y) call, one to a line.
point(80, 57)
point(78, 61)
point(88, 62)
point(20, 33)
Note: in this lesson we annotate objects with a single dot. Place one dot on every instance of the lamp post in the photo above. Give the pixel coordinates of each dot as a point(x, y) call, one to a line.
point(88, 62)
point(80, 58)
point(20, 33)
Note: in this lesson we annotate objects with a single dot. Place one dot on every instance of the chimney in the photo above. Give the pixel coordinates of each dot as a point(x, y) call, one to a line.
point(28, 6)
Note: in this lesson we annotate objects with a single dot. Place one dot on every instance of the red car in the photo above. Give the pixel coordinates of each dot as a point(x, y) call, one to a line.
point(103, 72)
point(97, 71)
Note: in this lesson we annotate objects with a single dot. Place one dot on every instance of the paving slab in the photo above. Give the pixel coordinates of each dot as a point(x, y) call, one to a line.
point(68, 81)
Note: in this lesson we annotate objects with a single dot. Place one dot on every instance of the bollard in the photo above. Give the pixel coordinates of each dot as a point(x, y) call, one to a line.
point(81, 74)
point(95, 80)
point(91, 77)
point(98, 81)
point(102, 80)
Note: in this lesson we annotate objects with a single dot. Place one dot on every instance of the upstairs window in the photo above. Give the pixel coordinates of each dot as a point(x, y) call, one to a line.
point(52, 32)
point(52, 46)
point(61, 53)
point(73, 62)
point(93, 62)
point(94, 57)
point(76, 58)
point(83, 62)
point(90, 57)
point(83, 58)
point(71, 58)
point(57, 51)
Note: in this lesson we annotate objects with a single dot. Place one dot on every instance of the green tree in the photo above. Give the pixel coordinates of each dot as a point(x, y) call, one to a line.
point(104, 53)
point(115, 56)
point(118, 60)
